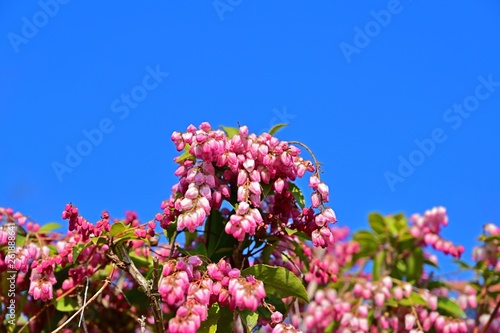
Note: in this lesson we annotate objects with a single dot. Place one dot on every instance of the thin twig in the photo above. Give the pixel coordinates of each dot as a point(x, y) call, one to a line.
point(316, 163)
point(492, 316)
point(84, 305)
point(106, 283)
point(47, 306)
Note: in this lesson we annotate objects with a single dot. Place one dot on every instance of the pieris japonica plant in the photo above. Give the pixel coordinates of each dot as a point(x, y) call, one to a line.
point(238, 248)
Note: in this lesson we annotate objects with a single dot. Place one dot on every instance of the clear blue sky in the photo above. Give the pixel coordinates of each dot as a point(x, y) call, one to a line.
point(357, 82)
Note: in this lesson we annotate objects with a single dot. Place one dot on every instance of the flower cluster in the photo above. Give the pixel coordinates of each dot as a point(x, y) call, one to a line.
point(192, 291)
point(427, 229)
point(258, 170)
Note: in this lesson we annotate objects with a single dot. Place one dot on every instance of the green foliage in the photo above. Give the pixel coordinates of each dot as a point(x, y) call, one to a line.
point(210, 325)
point(276, 128)
point(66, 304)
point(450, 307)
point(49, 227)
point(297, 194)
point(230, 131)
point(278, 281)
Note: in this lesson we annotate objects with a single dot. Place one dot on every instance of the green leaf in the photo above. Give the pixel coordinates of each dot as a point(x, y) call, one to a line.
point(278, 281)
point(249, 319)
point(377, 223)
point(368, 244)
point(200, 249)
point(300, 234)
point(450, 307)
point(219, 243)
point(215, 234)
point(186, 155)
point(98, 240)
point(117, 228)
point(140, 261)
point(266, 188)
point(405, 236)
point(415, 299)
point(230, 131)
point(276, 302)
point(49, 227)
point(415, 265)
point(210, 324)
point(401, 222)
point(430, 263)
point(266, 253)
point(190, 236)
point(330, 327)
point(391, 225)
point(139, 298)
point(463, 264)
point(77, 249)
point(226, 321)
point(66, 304)
point(378, 264)
point(276, 128)
point(170, 232)
point(365, 238)
point(297, 194)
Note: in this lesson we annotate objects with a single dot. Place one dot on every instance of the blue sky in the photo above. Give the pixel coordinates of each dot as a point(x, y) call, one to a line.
point(399, 100)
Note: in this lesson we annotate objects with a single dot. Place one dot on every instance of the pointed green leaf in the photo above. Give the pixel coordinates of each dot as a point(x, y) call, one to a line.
point(463, 264)
point(415, 299)
point(66, 304)
point(140, 261)
point(210, 324)
point(226, 321)
point(415, 265)
point(297, 194)
point(278, 281)
point(230, 131)
point(49, 227)
point(276, 128)
point(368, 243)
point(170, 232)
point(79, 248)
point(117, 228)
point(450, 307)
point(377, 223)
point(378, 265)
point(266, 188)
point(186, 155)
point(250, 319)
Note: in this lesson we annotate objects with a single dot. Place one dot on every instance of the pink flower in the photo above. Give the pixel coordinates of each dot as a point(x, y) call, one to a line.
point(314, 182)
point(246, 293)
point(409, 321)
point(277, 317)
point(278, 185)
point(324, 191)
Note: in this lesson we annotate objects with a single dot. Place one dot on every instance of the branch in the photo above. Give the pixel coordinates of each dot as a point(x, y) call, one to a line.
point(492, 316)
point(151, 292)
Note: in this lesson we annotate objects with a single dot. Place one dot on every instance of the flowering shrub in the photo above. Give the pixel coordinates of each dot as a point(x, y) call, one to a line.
point(236, 248)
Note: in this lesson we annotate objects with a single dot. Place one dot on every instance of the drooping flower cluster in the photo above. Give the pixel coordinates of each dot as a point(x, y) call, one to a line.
point(427, 228)
point(185, 287)
point(250, 167)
